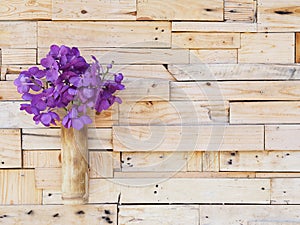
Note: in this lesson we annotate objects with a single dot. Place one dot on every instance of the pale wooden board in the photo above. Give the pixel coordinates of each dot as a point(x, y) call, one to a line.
point(11, 72)
point(200, 40)
point(18, 56)
point(267, 48)
point(101, 164)
point(18, 34)
point(205, 10)
point(154, 214)
point(237, 215)
point(188, 138)
point(214, 27)
point(18, 187)
point(273, 223)
point(273, 161)
point(282, 137)
point(43, 158)
point(48, 178)
point(211, 161)
point(194, 162)
point(8, 91)
point(200, 71)
point(240, 11)
point(93, 10)
point(179, 190)
point(10, 148)
point(59, 214)
point(277, 175)
point(50, 139)
point(173, 113)
point(264, 112)
point(297, 47)
point(101, 34)
point(25, 10)
point(154, 161)
point(235, 90)
point(278, 16)
point(214, 56)
point(284, 191)
point(52, 197)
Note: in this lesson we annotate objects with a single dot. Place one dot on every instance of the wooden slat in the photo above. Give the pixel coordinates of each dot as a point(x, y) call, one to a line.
point(153, 214)
point(212, 72)
point(52, 197)
point(284, 191)
point(260, 161)
point(8, 91)
point(101, 34)
point(25, 10)
point(176, 10)
point(267, 48)
point(194, 162)
point(274, 223)
point(282, 137)
point(264, 112)
point(187, 138)
point(173, 113)
point(43, 158)
point(10, 148)
point(240, 11)
point(279, 16)
point(277, 175)
point(94, 10)
point(211, 161)
point(213, 56)
point(18, 34)
point(297, 47)
point(179, 190)
point(101, 164)
point(154, 161)
point(237, 215)
point(18, 187)
point(11, 72)
point(197, 40)
point(59, 214)
point(48, 178)
point(18, 56)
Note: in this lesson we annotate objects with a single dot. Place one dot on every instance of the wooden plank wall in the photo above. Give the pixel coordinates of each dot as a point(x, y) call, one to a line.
point(208, 132)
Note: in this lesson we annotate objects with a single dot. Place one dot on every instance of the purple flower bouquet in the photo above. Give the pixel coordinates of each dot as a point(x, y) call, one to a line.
point(67, 82)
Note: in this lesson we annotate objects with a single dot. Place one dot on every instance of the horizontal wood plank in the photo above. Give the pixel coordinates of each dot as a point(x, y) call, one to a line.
point(213, 56)
point(101, 164)
point(240, 11)
point(8, 91)
point(43, 158)
point(10, 148)
point(48, 178)
point(283, 191)
point(18, 56)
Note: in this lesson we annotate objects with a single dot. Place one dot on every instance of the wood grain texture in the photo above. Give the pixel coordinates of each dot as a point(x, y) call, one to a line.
point(194, 162)
point(101, 164)
point(240, 11)
point(297, 47)
point(93, 10)
point(8, 91)
point(18, 56)
point(283, 191)
point(267, 48)
point(101, 34)
point(211, 162)
point(176, 10)
point(264, 112)
point(43, 158)
point(213, 56)
point(187, 138)
point(10, 148)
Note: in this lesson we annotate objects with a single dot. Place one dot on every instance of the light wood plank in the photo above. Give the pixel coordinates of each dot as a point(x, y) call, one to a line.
point(197, 40)
point(273, 161)
point(153, 214)
point(194, 162)
point(59, 214)
point(173, 113)
point(18, 56)
point(274, 223)
point(187, 138)
point(179, 190)
point(10, 148)
point(297, 47)
point(48, 178)
point(264, 112)
point(282, 137)
point(277, 175)
point(211, 161)
point(18, 34)
point(284, 191)
point(267, 48)
point(18, 187)
point(52, 197)
point(240, 11)
point(93, 10)
point(204, 10)
point(11, 72)
point(213, 56)
point(43, 158)
point(8, 91)
point(101, 164)
point(101, 34)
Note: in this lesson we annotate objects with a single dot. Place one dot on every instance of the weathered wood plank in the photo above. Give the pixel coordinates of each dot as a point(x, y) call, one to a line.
point(211, 161)
point(297, 47)
point(93, 10)
point(18, 56)
point(18, 187)
point(198, 40)
point(282, 137)
point(43, 158)
point(212, 72)
point(240, 11)
point(101, 34)
point(18, 34)
point(25, 10)
point(173, 113)
point(235, 90)
point(277, 175)
point(48, 178)
point(273, 223)
point(10, 148)
point(267, 48)
point(176, 10)
point(52, 197)
point(284, 191)
point(194, 162)
point(264, 112)
point(59, 214)
point(188, 138)
point(11, 72)
point(101, 164)
point(179, 190)
point(260, 161)
point(153, 214)
point(8, 91)
point(213, 56)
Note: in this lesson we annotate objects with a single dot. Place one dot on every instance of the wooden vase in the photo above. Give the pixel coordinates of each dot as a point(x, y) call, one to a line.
point(74, 151)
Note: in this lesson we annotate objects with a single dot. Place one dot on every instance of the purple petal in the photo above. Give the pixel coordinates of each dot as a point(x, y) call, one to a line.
point(46, 119)
point(77, 124)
